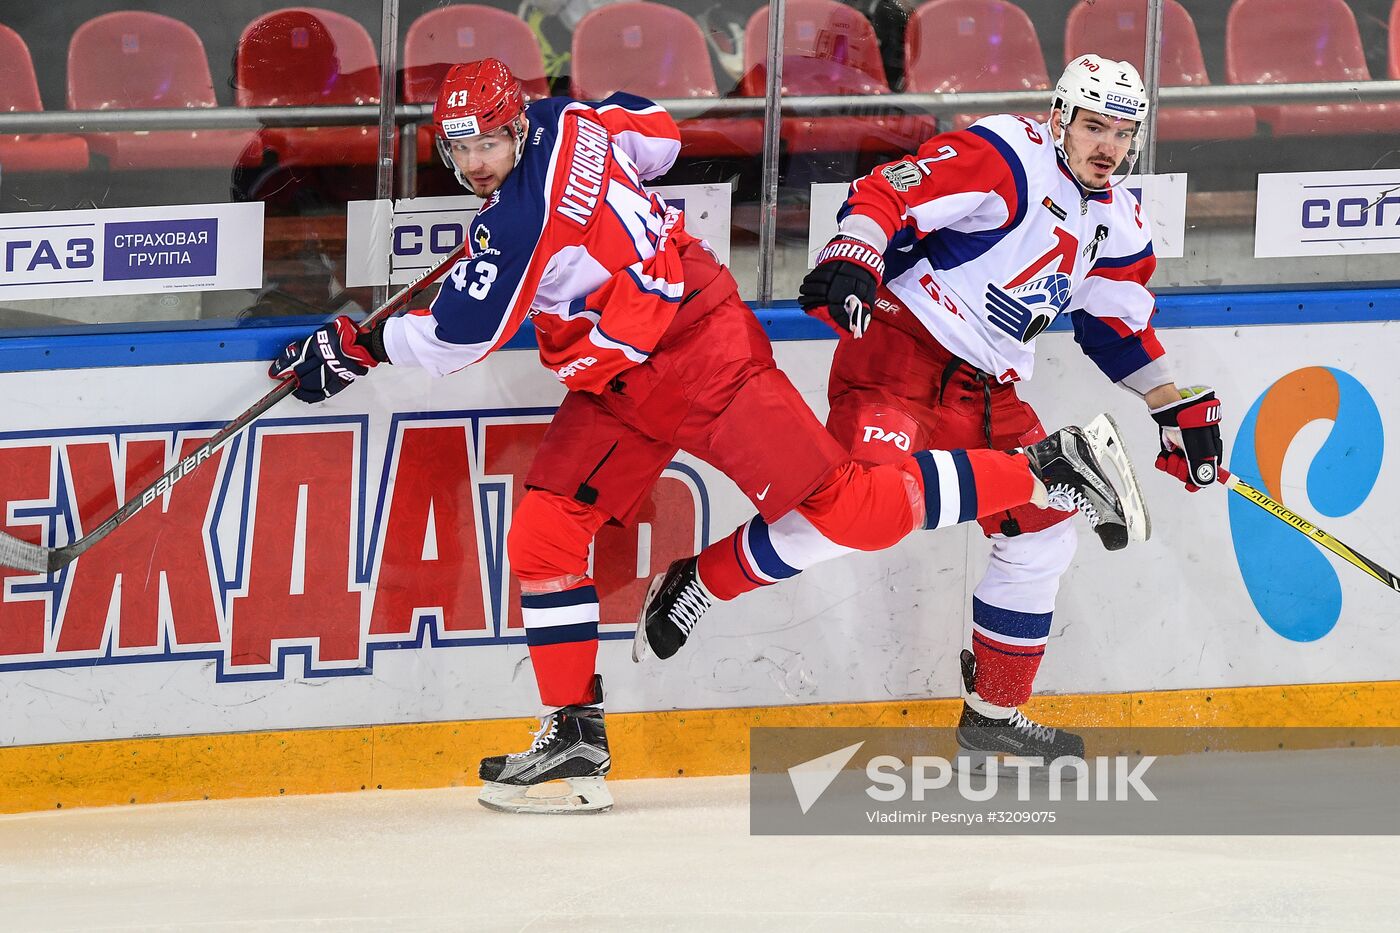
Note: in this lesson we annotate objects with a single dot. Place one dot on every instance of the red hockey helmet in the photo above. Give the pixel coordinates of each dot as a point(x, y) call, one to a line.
point(474, 99)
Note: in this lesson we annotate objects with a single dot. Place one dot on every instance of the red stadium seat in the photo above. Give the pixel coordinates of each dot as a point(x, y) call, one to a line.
point(973, 45)
point(657, 51)
point(1393, 65)
point(131, 60)
point(464, 32)
point(306, 57)
point(19, 93)
point(829, 48)
point(1117, 29)
point(1288, 41)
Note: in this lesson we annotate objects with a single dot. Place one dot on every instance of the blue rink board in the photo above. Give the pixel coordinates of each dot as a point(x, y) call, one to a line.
point(170, 343)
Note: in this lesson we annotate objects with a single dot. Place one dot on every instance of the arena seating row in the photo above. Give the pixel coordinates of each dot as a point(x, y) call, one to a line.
point(308, 56)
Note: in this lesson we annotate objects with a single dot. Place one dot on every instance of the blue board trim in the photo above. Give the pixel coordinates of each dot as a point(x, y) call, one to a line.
point(170, 343)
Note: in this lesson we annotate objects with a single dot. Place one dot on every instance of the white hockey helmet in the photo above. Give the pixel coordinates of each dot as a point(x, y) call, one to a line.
point(1113, 89)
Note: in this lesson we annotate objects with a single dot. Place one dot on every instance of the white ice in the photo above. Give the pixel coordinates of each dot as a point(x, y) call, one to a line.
point(674, 855)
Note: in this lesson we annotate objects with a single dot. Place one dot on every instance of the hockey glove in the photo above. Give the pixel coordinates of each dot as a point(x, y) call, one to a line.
point(842, 286)
point(325, 362)
point(1190, 434)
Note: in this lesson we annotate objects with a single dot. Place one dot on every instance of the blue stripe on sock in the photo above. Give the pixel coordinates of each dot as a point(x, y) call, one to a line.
point(967, 486)
point(933, 504)
point(561, 634)
point(575, 597)
point(744, 564)
point(761, 547)
point(1009, 622)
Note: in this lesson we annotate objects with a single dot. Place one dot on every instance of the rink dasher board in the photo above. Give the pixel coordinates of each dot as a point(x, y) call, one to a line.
point(1172, 614)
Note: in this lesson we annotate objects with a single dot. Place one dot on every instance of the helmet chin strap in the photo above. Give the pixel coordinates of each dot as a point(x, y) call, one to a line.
point(1130, 161)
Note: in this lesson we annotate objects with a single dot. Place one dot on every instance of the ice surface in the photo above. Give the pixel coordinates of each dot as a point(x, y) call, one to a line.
point(674, 855)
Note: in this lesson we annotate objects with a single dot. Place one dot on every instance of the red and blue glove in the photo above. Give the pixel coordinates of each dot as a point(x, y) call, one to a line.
point(327, 361)
point(1190, 434)
point(842, 286)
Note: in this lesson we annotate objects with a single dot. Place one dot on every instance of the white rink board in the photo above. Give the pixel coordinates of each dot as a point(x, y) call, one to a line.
point(1173, 613)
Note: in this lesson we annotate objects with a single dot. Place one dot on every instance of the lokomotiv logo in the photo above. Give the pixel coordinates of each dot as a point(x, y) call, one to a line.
point(297, 539)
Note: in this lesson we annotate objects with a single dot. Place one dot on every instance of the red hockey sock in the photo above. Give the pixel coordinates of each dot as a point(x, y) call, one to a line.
point(548, 547)
point(723, 568)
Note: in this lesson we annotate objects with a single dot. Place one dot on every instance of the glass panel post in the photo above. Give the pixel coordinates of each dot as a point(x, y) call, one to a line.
point(772, 123)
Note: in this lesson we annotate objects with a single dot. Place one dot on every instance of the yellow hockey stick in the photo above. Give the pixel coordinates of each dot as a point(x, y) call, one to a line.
point(1283, 513)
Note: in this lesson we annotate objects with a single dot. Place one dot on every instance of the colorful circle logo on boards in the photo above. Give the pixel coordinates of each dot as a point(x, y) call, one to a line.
point(1292, 582)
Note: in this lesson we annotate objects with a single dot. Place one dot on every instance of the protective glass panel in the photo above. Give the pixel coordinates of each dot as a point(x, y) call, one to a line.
point(188, 74)
point(1243, 226)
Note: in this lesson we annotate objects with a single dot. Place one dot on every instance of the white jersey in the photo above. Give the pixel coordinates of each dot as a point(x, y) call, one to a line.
point(987, 238)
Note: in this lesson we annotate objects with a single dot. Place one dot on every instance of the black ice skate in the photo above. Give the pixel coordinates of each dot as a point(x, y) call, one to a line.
point(1067, 464)
point(982, 736)
point(570, 746)
point(675, 602)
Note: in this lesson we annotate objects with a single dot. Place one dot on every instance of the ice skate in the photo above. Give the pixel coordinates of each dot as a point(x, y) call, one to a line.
point(984, 733)
point(675, 602)
point(568, 756)
point(1067, 464)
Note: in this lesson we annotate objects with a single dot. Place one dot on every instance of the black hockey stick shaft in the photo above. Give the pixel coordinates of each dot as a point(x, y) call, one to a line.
point(1302, 525)
point(21, 555)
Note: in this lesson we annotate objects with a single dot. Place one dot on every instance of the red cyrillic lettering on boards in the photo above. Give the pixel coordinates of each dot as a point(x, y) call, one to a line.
point(165, 539)
point(299, 583)
point(429, 553)
point(26, 475)
point(509, 449)
point(668, 520)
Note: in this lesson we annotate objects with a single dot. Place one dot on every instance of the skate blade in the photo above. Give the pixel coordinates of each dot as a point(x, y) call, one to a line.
point(640, 648)
point(1107, 443)
point(570, 795)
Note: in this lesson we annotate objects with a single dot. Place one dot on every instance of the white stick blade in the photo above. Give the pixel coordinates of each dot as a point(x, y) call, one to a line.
point(21, 555)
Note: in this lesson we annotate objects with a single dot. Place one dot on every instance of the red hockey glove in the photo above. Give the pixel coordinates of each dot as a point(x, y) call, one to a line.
point(842, 286)
point(1190, 434)
point(325, 362)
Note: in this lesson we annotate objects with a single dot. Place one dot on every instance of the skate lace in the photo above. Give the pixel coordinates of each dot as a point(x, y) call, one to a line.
point(690, 605)
point(1066, 498)
point(1031, 728)
point(548, 724)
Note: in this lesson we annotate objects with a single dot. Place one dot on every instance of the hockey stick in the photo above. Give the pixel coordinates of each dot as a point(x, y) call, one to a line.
point(22, 555)
point(1282, 513)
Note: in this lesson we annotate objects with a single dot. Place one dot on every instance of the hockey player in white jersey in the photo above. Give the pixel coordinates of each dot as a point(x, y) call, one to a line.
point(987, 236)
point(947, 265)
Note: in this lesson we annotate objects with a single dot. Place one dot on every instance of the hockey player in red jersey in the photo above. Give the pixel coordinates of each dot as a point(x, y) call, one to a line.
point(968, 249)
point(646, 330)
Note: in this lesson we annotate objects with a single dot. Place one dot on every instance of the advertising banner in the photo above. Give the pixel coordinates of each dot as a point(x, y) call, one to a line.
point(346, 563)
point(395, 242)
point(131, 250)
point(1327, 213)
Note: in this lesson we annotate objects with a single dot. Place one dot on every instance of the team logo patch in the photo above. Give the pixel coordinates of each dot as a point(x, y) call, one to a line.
point(1026, 310)
point(1054, 208)
point(458, 127)
point(483, 238)
point(902, 175)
